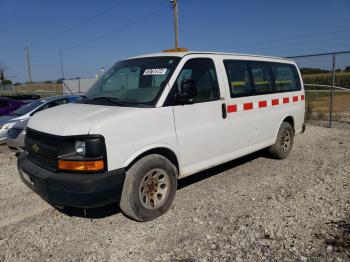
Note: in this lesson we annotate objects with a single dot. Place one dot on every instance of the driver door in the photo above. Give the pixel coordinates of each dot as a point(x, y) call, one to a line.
point(200, 126)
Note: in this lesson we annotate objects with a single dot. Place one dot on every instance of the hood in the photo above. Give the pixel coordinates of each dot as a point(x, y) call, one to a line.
point(5, 119)
point(21, 123)
point(77, 119)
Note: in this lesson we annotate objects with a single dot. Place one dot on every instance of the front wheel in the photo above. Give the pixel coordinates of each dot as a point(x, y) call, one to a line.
point(284, 142)
point(149, 188)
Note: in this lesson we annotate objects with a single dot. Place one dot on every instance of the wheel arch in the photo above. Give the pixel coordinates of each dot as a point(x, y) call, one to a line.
point(289, 119)
point(162, 150)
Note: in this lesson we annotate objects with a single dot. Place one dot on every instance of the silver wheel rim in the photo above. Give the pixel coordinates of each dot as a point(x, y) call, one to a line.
point(154, 188)
point(285, 140)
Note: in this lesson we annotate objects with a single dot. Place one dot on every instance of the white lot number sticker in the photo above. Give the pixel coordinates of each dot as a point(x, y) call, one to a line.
point(155, 71)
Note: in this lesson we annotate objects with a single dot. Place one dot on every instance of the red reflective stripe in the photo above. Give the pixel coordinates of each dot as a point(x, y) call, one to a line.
point(248, 106)
point(285, 100)
point(262, 103)
point(302, 97)
point(275, 102)
point(295, 98)
point(231, 108)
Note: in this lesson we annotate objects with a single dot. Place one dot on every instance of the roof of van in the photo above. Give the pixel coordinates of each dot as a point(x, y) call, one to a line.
point(182, 54)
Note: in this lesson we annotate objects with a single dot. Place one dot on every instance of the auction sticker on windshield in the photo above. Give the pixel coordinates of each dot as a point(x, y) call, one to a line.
point(155, 71)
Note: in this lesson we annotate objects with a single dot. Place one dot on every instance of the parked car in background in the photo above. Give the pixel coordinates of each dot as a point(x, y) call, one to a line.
point(23, 114)
point(8, 105)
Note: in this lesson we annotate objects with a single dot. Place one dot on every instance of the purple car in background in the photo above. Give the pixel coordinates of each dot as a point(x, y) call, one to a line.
point(8, 105)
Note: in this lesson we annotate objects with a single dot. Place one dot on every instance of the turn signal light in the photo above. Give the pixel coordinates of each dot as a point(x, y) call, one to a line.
point(81, 165)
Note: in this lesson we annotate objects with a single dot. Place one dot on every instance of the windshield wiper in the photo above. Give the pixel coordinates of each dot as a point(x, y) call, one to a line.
point(112, 100)
point(83, 99)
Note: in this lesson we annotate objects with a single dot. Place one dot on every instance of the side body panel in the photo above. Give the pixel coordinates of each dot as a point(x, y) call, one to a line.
point(253, 125)
point(129, 136)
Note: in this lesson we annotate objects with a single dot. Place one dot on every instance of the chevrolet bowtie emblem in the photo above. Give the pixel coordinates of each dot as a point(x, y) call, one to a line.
point(35, 148)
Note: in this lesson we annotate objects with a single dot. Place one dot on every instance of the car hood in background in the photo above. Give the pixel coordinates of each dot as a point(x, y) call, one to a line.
point(5, 119)
point(77, 119)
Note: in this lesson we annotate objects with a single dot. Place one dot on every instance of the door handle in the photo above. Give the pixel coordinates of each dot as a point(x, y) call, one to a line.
point(224, 112)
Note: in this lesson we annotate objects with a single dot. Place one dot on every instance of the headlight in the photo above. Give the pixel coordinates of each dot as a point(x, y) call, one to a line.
point(80, 147)
point(85, 153)
point(7, 126)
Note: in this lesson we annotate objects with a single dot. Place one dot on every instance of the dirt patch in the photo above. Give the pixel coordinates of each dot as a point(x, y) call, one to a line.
point(251, 209)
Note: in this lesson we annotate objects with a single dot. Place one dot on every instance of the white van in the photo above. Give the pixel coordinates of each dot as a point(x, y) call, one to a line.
point(153, 119)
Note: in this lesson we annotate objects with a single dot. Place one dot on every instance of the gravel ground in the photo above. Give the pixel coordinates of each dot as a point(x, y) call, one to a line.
point(251, 209)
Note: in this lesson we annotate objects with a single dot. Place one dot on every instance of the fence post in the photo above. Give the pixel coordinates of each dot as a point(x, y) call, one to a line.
point(332, 89)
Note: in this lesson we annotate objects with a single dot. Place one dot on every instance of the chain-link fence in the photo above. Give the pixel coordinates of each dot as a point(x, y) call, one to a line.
point(40, 89)
point(327, 86)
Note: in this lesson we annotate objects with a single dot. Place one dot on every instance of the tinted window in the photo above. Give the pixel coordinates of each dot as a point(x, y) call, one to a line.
point(286, 78)
point(28, 107)
point(202, 71)
point(261, 77)
point(238, 78)
point(3, 104)
point(58, 102)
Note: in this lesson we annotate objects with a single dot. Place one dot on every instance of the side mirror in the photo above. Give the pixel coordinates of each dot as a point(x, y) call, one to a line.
point(188, 92)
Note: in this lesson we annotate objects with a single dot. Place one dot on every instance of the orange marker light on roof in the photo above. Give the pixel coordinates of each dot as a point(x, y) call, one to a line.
point(81, 165)
point(180, 49)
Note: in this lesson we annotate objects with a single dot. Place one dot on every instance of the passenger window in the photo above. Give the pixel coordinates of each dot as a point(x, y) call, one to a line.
point(58, 102)
point(202, 71)
point(261, 78)
point(286, 78)
point(238, 78)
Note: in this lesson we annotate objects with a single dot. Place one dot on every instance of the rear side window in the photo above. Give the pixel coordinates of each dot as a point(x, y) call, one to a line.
point(261, 77)
point(238, 78)
point(286, 78)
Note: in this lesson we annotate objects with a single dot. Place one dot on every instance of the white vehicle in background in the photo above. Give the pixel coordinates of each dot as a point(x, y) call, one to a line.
point(17, 121)
point(154, 119)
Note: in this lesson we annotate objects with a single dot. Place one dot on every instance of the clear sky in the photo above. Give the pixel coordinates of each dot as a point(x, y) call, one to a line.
point(95, 33)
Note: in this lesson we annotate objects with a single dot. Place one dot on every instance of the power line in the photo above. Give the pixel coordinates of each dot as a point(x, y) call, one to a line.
point(91, 18)
point(117, 29)
point(292, 38)
point(299, 41)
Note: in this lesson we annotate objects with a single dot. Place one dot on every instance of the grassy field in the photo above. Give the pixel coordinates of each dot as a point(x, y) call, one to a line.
point(341, 79)
point(317, 105)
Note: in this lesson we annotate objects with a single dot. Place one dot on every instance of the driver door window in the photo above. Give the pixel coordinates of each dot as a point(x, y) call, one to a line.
point(202, 71)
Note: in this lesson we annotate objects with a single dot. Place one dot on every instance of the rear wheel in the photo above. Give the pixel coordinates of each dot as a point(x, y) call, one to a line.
point(284, 142)
point(149, 188)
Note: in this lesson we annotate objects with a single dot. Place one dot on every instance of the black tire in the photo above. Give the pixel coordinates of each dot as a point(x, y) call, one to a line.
point(284, 142)
point(150, 173)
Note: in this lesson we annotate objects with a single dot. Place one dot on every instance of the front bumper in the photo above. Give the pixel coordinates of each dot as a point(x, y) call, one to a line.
point(16, 144)
point(3, 137)
point(72, 189)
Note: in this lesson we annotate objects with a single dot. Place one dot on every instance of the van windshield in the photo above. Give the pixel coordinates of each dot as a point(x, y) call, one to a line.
point(134, 82)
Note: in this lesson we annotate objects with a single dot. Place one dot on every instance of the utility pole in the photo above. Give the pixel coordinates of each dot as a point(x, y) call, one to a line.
point(176, 22)
point(332, 90)
point(28, 64)
point(61, 63)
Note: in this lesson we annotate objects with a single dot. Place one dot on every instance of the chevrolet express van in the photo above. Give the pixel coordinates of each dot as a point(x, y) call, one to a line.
point(154, 119)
